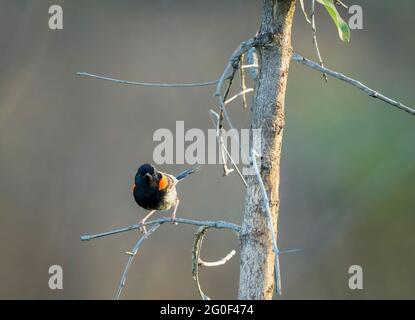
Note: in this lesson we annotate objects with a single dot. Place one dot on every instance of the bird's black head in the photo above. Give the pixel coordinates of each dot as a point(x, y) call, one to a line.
point(146, 169)
point(145, 174)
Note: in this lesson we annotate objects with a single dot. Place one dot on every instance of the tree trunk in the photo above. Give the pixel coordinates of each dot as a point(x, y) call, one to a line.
point(257, 258)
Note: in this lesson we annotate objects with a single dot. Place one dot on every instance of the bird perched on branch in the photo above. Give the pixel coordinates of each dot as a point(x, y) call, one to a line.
point(156, 191)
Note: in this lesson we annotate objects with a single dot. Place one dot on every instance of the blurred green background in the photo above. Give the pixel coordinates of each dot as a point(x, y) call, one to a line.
point(70, 146)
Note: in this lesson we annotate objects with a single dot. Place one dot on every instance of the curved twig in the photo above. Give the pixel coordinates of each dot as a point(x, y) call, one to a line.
point(204, 224)
point(197, 244)
point(220, 262)
point(197, 261)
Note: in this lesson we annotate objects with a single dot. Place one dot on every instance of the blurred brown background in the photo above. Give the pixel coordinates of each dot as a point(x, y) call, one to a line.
point(70, 146)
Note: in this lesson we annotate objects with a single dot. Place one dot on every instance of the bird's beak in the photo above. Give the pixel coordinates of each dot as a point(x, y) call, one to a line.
point(149, 175)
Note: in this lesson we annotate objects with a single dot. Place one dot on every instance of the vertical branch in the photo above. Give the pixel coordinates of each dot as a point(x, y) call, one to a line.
point(257, 255)
point(277, 272)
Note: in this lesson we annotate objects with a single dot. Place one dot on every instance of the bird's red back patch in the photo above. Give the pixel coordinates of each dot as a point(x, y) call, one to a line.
point(163, 183)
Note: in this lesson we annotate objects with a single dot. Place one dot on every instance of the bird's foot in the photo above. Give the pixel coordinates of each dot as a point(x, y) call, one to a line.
point(142, 227)
point(173, 220)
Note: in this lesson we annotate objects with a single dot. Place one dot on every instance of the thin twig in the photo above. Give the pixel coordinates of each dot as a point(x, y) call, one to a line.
point(242, 84)
point(290, 251)
point(149, 84)
point(197, 261)
point(219, 138)
point(232, 66)
point(224, 111)
point(235, 165)
point(339, 3)
point(219, 262)
point(314, 29)
point(277, 271)
point(229, 73)
point(132, 254)
point(242, 93)
point(218, 224)
point(353, 82)
point(197, 244)
point(249, 66)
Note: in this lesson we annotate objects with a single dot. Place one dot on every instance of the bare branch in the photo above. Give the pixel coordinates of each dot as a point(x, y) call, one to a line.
point(197, 261)
point(219, 139)
point(224, 111)
point(229, 73)
point(149, 84)
point(232, 66)
point(197, 244)
point(224, 149)
point(218, 224)
point(204, 224)
point(132, 254)
point(277, 272)
point(353, 82)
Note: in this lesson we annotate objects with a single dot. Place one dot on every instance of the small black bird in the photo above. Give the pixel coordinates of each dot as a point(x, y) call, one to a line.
point(156, 191)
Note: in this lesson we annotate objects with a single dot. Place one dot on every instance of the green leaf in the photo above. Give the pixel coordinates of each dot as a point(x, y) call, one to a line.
point(342, 27)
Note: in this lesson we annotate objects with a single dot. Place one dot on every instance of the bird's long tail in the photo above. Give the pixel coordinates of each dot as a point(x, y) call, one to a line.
point(187, 172)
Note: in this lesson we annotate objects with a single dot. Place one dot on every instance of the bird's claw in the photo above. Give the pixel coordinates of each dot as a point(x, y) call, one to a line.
point(142, 227)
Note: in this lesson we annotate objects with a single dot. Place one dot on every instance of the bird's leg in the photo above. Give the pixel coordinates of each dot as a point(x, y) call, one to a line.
point(173, 215)
point(142, 221)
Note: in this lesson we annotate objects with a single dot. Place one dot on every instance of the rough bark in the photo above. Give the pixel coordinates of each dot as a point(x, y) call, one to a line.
point(257, 258)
